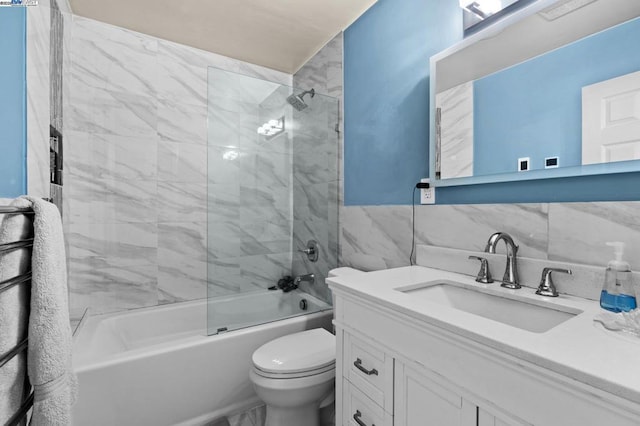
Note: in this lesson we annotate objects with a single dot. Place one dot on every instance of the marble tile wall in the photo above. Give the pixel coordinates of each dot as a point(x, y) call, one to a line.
point(317, 162)
point(378, 237)
point(38, 105)
point(136, 166)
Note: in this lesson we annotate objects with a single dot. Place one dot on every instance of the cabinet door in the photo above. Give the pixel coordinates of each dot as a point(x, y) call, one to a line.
point(424, 399)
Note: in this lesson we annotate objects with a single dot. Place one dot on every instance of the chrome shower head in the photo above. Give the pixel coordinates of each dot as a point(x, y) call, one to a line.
point(297, 101)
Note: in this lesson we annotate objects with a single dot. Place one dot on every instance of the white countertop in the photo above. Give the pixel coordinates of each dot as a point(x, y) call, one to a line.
point(577, 348)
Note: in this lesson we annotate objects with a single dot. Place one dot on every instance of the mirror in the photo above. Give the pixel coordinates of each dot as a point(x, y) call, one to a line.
point(552, 90)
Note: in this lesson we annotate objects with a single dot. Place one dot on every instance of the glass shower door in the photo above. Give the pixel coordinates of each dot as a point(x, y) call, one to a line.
point(260, 160)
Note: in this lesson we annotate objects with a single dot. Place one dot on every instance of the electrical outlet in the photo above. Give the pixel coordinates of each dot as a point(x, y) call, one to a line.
point(428, 195)
point(551, 163)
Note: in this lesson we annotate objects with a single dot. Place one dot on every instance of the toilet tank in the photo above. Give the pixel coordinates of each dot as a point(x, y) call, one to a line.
point(337, 272)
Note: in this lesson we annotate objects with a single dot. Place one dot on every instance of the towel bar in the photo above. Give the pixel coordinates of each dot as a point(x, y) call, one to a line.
point(6, 285)
point(16, 210)
point(16, 245)
point(22, 412)
point(13, 352)
point(20, 416)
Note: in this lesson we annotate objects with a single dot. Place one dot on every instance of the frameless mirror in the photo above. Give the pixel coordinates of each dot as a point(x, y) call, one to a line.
point(552, 90)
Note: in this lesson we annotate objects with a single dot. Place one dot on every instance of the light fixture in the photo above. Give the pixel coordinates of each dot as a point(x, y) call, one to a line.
point(481, 8)
point(272, 128)
point(563, 8)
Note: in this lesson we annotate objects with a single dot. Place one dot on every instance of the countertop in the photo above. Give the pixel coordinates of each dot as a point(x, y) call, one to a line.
point(577, 348)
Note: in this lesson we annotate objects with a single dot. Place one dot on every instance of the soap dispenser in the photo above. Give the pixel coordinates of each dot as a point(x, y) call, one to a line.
point(618, 294)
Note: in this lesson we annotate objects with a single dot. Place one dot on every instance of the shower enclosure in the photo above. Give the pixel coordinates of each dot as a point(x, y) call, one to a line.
point(272, 187)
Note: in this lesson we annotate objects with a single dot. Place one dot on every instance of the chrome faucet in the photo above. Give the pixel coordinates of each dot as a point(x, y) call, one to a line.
point(510, 279)
point(310, 278)
point(484, 275)
point(546, 287)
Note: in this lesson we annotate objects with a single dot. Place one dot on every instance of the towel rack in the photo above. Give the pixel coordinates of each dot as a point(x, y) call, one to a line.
point(19, 417)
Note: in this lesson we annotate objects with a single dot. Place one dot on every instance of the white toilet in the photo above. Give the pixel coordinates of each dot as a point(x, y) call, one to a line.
point(293, 375)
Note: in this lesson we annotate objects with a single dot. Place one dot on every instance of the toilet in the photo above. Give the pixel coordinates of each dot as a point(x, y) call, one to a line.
point(294, 375)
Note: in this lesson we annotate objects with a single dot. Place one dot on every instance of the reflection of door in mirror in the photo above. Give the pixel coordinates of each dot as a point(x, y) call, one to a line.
point(611, 120)
point(456, 131)
point(533, 109)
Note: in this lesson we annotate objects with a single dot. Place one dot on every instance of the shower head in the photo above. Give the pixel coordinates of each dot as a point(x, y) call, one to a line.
point(297, 101)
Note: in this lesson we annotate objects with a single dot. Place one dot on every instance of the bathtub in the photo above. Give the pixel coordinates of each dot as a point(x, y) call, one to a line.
point(157, 366)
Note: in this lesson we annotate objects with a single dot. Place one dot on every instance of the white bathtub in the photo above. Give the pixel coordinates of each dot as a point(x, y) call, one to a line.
point(156, 366)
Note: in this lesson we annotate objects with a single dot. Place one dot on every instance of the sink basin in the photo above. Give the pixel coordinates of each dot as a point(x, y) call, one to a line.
point(534, 316)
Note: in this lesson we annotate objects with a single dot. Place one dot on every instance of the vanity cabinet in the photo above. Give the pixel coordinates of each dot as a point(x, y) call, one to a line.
point(393, 369)
point(376, 386)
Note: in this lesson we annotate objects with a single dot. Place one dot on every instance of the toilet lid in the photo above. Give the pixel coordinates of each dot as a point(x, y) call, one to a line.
point(299, 352)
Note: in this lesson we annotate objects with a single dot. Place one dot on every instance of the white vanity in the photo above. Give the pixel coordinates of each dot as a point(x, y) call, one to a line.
point(421, 346)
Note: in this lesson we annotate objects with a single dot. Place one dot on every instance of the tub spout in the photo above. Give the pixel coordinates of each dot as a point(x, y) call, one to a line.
point(310, 278)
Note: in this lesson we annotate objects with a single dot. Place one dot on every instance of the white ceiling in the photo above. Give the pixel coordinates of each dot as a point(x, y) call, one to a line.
point(278, 34)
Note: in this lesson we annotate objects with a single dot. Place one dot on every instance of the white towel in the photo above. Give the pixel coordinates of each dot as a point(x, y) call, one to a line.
point(50, 344)
point(628, 322)
point(13, 309)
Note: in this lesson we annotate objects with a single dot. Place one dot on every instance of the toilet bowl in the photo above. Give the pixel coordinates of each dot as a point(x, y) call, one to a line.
point(293, 375)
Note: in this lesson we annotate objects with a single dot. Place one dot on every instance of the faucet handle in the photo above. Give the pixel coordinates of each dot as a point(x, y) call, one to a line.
point(546, 287)
point(484, 275)
point(311, 251)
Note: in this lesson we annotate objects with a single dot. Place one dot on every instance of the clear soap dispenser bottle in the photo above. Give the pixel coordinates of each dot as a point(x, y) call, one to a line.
point(618, 294)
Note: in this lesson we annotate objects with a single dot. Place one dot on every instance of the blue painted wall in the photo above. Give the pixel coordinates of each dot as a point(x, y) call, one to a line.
point(535, 109)
point(386, 66)
point(386, 95)
point(13, 151)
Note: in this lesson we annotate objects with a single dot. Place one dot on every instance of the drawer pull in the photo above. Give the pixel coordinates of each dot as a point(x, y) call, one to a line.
point(358, 364)
point(357, 416)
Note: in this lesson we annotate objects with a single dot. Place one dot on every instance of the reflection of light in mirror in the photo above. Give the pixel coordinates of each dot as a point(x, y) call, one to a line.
point(230, 155)
point(481, 8)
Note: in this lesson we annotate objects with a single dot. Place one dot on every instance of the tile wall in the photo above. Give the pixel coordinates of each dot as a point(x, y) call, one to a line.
point(378, 237)
point(135, 204)
point(136, 166)
point(38, 103)
point(317, 162)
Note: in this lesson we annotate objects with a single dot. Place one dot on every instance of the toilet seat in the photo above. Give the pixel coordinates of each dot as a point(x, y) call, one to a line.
point(295, 375)
point(297, 355)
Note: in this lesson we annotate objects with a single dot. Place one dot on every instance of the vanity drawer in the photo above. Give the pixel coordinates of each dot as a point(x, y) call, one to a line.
point(370, 369)
point(359, 410)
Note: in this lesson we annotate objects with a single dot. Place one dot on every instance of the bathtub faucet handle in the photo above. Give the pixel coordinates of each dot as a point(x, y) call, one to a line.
point(311, 251)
